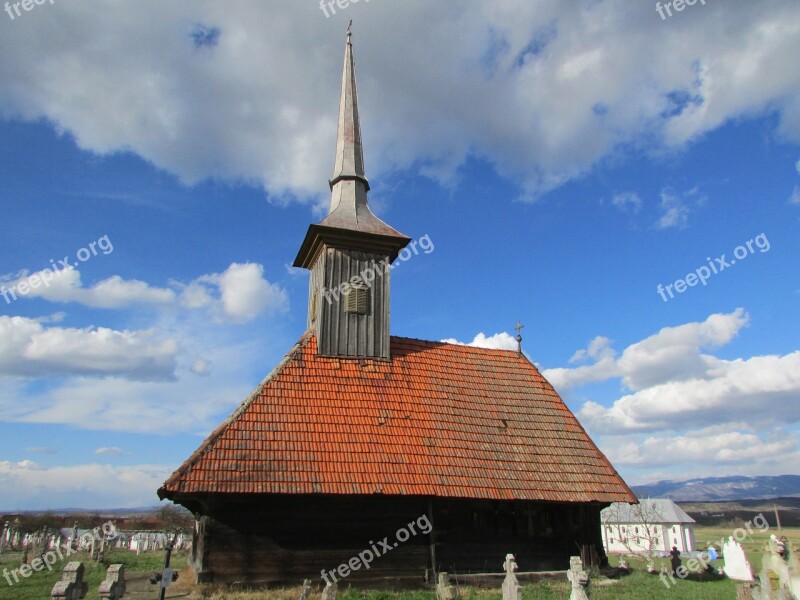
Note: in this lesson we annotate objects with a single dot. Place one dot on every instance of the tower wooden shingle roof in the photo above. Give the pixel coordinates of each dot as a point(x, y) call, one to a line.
point(436, 420)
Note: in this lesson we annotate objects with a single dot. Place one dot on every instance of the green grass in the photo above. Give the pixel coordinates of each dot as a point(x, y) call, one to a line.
point(39, 584)
point(637, 586)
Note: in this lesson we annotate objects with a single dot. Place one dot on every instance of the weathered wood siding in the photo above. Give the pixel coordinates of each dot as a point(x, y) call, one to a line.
point(282, 539)
point(347, 334)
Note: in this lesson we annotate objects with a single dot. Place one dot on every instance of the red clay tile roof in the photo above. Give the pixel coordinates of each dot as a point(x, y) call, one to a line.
point(437, 420)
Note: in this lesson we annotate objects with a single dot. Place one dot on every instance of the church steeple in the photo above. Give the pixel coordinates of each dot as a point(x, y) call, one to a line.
point(349, 251)
point(349, 152)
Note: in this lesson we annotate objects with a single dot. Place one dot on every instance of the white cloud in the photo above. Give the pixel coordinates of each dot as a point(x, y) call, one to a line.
point(599, 348)
point(763, 389)
point(200, 367)
point(627, 202)
point(65, 286)
point(542, 90)
point(109, 451)
point(29, 349)
point(725, 445)
point(675, 208)
point(674, 352)
point(244, 293)
point(27, 485)
point(498, 341)
point(795, 197)
point(239, 294)
point(189, 405)
point(673, 381)
point(688, 412)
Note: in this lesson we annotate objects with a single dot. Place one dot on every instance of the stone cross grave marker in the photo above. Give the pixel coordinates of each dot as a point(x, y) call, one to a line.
point(72, 586)
point(113, 586)
point(329, 593)
point(512, 590)
point(578, 578)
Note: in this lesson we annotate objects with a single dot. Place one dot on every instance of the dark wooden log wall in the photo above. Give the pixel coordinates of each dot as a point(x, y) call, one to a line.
point(281, 540)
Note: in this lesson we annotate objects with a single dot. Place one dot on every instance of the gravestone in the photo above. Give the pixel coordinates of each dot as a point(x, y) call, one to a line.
point(72, 586)
point(736, 565)
point(306, 590)
point(329, 593)
point(445, 591)
point(578, 578)
point(113, 586)
point(5, 535)
point(779, 573)
point(512, 590)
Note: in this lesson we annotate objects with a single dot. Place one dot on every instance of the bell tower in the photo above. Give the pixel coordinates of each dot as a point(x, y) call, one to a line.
point(349, 252)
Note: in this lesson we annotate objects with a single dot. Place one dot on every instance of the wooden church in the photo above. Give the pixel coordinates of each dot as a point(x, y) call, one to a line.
point(357, 434)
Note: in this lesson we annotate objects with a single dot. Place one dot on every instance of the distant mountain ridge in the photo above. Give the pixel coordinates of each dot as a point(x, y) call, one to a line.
point(722, 488)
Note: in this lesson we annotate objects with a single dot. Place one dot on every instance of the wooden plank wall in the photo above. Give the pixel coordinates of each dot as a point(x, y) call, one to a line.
point(342, 334)
point(283, 540)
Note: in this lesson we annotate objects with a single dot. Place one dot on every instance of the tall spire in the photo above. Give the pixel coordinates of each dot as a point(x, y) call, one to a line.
point(349, 153)
point(349, 185)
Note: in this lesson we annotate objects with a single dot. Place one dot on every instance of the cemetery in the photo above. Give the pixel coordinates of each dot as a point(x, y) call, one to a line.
point(762, 567)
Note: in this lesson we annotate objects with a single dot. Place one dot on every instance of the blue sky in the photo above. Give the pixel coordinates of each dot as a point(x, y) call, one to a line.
point(564, 161)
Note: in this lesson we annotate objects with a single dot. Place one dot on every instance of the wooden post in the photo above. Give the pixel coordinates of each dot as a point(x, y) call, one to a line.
point(432, 538)
point(777, 516)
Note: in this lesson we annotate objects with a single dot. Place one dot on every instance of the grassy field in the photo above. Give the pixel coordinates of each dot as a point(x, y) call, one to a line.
point(638, 585)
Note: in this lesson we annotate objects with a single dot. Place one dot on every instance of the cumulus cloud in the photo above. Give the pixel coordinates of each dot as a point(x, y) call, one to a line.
point(239, 294)
point(28, 485)
point(684, 411)
point(753, 389)
point(674, 353)
point(672, 381)
point(29, 349)
point(725, 445)
point(243, 293)
point(498, 341)
point(65, 286)
point(542, 90)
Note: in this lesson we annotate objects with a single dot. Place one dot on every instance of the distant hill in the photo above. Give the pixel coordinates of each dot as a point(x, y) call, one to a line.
point(722, 488)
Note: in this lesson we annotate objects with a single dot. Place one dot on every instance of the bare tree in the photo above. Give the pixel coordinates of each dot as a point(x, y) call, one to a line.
point(174, 520)
point(638, 527)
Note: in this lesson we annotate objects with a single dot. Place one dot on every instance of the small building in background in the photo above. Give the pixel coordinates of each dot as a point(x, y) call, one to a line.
point(651, 527)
